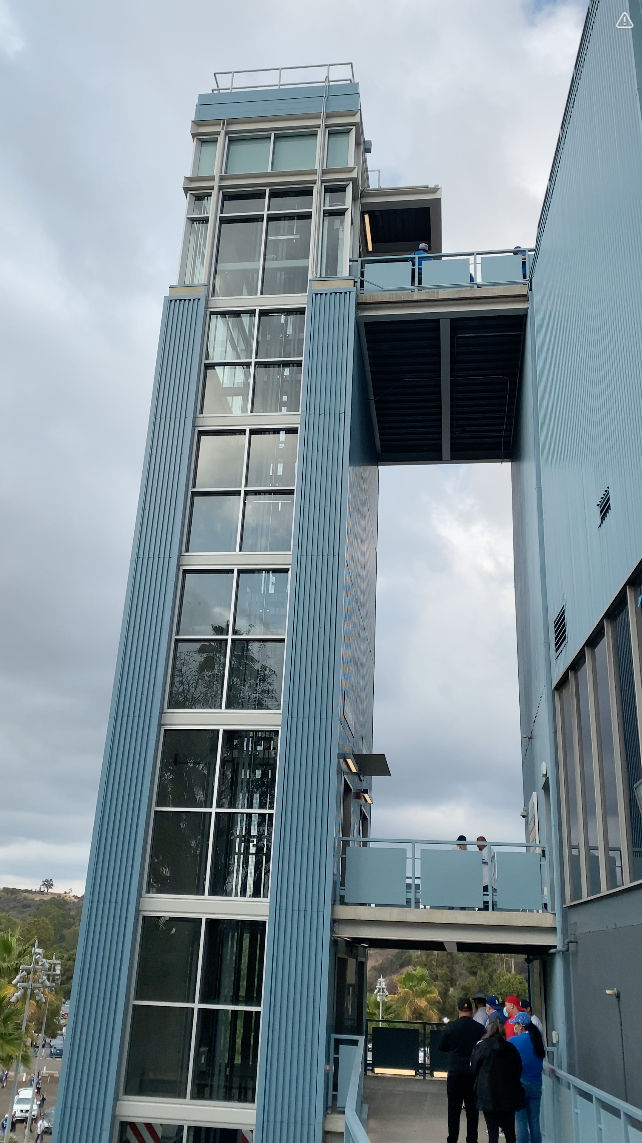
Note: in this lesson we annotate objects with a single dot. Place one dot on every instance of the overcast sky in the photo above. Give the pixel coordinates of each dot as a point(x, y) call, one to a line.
point(96, 105)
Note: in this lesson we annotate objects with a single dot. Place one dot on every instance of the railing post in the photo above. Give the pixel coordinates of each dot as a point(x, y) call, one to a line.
point(414, 877)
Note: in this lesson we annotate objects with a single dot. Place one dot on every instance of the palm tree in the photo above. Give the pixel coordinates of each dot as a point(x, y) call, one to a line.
point(416, 997)
point(12, 951)
point(11, 1041)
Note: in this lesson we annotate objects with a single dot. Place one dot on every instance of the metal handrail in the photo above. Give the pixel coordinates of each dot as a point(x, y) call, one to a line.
point(223, 83)
point(354, 1131)
point(418, 260)
point(599, 1099)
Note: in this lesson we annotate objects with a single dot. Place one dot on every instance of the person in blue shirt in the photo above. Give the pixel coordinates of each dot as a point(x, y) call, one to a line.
point(527, 1038)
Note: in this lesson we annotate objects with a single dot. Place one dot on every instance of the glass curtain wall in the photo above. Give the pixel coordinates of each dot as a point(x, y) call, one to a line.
point(609, 776)
point(624, 655)
point(198, 213)
point(264, 243)
point(253, 363)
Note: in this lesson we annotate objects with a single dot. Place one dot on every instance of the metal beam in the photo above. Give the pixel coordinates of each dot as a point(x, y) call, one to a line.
point(395, 927)
point(444, 339)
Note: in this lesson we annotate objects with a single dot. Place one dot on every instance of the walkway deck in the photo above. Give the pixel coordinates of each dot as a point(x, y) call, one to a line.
point(473, 931)
point(406, 1110)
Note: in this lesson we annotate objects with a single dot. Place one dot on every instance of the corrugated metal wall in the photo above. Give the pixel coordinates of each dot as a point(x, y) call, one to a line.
point(291, 1077)
point(587, 306)
point(90, 1068)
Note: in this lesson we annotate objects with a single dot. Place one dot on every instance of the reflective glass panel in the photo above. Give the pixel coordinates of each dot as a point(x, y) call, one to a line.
point(232, 970)
point(590, 811)
point(187, 768)
point(571, 793)
point(241, 855)
point(226, 1055)
point(267, 523)
point(283, 200)
point(281, 334)
point(253, 203)
point(277, 389)
point(226, 389)
point(167, 1132)
point(287, 251)
point(630, 733)
point(195, 256)
point(295, 152)
point(207, 157)
point(220, 460)
point(272, 460)
point(178, 857)
point(338, 154)
point(200, 204)
point(239, 253)
point(248, 770)
point(159, 1047)
point(168, 959)
point(214, 522)
point(332, 245)
point(261, 603)
point(230, 337)
point(215, 1135)
point(256, 675)
point(245, 156)
point(206, 603)
point(614, 864)
point(334, 196)
point(197, 675)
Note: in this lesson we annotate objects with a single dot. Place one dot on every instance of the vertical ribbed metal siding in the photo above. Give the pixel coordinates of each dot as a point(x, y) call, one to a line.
point(91, 1064)
point(295, 997)
point(588, 310)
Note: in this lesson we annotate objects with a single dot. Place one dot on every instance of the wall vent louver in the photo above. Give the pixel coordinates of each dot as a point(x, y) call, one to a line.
point(604, 505)
point(559, 630)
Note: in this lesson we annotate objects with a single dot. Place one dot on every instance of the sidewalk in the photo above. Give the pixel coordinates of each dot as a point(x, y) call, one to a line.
point(405, 1109)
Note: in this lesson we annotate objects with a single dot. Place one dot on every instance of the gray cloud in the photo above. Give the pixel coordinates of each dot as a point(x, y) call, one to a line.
point(96, 104)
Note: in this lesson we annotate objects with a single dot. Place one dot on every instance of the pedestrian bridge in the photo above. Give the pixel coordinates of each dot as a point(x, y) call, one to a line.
point(434, 895)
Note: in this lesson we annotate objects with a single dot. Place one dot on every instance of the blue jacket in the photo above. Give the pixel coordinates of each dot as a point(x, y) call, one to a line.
point(531, 1064)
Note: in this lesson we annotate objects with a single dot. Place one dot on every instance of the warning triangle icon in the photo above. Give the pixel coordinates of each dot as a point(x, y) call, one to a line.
point(624, 21)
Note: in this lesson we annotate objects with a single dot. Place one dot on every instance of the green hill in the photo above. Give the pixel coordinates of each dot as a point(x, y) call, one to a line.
point(53, 919)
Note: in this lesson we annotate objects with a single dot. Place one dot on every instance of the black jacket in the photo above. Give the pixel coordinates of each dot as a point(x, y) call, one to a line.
point(497, 1066)
point(459, 1039)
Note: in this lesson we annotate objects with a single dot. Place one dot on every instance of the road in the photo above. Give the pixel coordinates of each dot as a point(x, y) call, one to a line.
point(49, 1072)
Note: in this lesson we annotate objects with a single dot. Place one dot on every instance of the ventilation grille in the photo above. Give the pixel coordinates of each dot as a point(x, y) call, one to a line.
point(559, 630)
point(604, 506)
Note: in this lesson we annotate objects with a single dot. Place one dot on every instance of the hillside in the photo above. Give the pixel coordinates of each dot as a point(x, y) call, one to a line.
point(51, 918)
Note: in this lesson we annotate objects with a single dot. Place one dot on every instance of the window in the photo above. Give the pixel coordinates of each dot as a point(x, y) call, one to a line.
point(291, 151)
point(232, 506)
point(614, 870)
point(198, 212)
point(208, 972)
point(332, 237)
point(264, 243)
point(338, 149)
point(588, 783)
point(570, 789)
point(624, 655)
point(213, 812)
point(207, 665)
point(170, 1133)
point(206, 160)
point(243, 371)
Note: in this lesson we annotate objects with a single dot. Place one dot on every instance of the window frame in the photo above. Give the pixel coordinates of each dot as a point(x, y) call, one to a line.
point(236, 135)
point(269, 212)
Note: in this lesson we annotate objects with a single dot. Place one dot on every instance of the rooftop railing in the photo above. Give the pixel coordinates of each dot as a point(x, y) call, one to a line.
point(441, 875)
point(416, 271)
point(283, 76)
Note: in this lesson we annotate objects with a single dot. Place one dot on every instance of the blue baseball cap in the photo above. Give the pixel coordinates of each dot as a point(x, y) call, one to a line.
point(522, 1018)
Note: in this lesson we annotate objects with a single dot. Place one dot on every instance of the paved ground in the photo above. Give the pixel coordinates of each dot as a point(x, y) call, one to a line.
point(406, 1110)
point(49, 1071)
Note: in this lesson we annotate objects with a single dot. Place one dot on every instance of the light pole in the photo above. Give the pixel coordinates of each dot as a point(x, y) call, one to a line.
point(381, 992)
point(31, 977)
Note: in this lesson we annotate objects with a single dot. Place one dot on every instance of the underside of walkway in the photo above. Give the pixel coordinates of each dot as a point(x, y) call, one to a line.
point(468, 930)
point(406, 1109)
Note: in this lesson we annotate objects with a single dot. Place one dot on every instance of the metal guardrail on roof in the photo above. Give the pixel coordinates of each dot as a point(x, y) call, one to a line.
point(283, 76)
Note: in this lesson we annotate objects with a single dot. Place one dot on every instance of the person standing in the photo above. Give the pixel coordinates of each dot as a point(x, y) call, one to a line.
point(479, 1006)
point(512, 1005)
point(497, 1066)
point(530, 1045)
point(459, 1039)
point(526, 1007)
point(40, 1131)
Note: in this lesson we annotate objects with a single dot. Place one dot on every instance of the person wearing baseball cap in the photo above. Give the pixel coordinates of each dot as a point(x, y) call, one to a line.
point(512, 1005)
point(494, 1008)
point(459, 1039)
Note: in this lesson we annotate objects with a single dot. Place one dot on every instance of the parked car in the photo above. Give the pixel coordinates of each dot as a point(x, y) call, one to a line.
point(22, 1103)
point(57, 1046)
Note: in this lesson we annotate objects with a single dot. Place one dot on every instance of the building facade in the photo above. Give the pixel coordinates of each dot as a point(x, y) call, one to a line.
point(303, 346)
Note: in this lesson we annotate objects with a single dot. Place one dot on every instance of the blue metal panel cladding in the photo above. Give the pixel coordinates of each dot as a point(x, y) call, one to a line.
point(90, 1070)
point(254, 103)
point(587, 307)
point(290, 1096)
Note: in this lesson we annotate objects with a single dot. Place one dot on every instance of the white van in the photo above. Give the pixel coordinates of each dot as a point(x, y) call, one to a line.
point(22, 1103)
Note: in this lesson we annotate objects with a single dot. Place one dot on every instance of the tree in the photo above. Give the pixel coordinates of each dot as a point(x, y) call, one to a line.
point(12, 951)
point(416, 997)
point(38, 929)
point(47, 884)
point(11, 1044)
